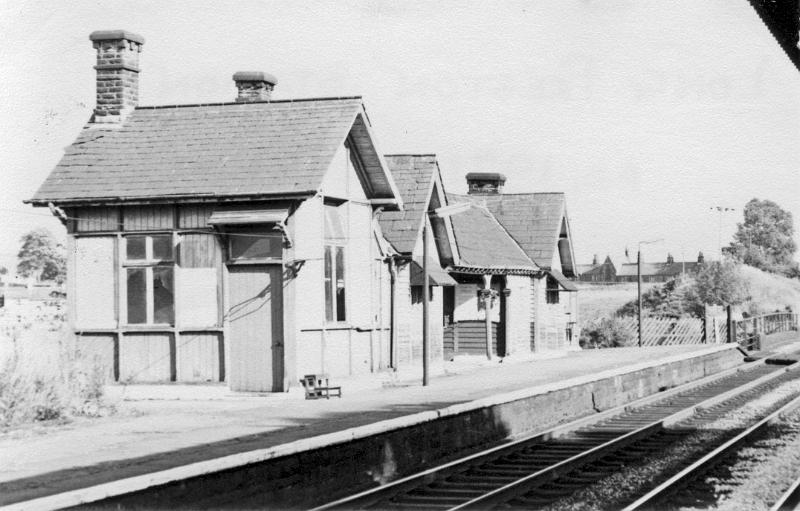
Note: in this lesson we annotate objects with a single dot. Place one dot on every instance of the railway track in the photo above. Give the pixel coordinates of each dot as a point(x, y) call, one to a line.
point(536, 472)
point(672, 494)
point(790, 500)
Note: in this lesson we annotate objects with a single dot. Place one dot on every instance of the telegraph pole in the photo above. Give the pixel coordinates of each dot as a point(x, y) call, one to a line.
point(639, 289)
point(425, 305)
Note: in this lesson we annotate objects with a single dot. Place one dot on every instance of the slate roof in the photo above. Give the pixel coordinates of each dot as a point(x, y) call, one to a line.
point(216, 150)
point(532, 219)
point(483, 243)
point(412, 174)
point(586, 268)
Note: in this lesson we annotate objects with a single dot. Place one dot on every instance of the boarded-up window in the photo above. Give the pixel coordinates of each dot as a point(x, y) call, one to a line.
point(200, 261)
point(94, 283)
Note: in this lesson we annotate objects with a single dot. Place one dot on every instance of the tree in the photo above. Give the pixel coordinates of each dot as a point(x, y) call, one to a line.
point(41, 257)
point(720, 283)
point(765, 238)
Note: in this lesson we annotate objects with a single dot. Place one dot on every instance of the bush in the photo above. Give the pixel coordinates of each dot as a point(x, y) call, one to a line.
point(606, 333)
point(675, 298)
point(30, 395)
point(716, 283)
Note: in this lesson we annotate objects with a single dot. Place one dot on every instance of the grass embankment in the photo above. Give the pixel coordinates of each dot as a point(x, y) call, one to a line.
point(43, 374)
point(768, 292)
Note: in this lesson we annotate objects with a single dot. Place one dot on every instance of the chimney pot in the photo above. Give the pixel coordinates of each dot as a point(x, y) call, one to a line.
point(117, 72)
point(485, 183)
point(254, 86)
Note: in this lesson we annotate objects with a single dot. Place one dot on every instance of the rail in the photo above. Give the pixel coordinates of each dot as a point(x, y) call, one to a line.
point(789, 500)
point(699, 468)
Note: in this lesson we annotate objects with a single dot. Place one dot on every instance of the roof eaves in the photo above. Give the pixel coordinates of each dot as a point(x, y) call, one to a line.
point(381, 159)
point(494, 270)
point(147, 199)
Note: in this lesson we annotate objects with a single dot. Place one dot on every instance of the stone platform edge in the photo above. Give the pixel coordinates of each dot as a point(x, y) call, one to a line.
point(492, 425)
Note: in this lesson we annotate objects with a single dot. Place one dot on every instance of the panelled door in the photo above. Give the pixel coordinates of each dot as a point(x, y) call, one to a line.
point(256, 327)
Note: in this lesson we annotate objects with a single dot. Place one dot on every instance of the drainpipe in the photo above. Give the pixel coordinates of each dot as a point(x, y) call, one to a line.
point(487, 307)
point(392, 313)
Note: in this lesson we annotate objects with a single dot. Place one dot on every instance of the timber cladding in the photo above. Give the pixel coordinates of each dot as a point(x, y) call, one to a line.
point(186, 280)
point(469, 338)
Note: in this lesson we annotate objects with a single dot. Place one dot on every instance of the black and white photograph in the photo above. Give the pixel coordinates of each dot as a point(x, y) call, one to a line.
point(382, 255)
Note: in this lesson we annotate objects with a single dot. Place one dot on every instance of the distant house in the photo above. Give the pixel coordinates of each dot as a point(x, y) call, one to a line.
point(597, 271)
point(527, 260)
point(659, 272)
point(231, 242)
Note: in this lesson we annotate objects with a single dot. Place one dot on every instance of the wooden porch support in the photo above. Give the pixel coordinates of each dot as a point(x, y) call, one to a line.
point(487, 307)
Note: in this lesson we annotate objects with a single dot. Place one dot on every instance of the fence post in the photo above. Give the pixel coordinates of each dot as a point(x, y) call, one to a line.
point(704, 340)
point(731, 333)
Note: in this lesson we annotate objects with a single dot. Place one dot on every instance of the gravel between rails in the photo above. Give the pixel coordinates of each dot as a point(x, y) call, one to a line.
point(761, 472)
point(624, 486)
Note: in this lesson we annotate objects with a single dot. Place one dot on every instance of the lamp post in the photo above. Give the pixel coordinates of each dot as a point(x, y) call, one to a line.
point(639, 283)
point(442, 212)
point(720, 209)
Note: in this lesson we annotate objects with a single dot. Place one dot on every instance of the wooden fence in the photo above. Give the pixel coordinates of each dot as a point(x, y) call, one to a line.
point(665, 331)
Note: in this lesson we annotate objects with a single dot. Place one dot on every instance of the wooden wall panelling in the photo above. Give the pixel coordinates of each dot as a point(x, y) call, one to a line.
point(146, 218)
point(96, 219)
point(146, 357)
point(200, 357)
point(194, 216)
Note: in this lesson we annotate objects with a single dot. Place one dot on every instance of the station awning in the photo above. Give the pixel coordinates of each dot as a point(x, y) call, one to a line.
point(436, 275)
point(563, 281)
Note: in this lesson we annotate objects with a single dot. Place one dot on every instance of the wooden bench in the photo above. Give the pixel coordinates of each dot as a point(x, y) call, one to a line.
point(317, 387)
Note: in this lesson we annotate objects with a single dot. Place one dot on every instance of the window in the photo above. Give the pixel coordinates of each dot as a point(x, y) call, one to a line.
point(149, 275)
point(551, 290)
point(254, 243)
point(334, 283)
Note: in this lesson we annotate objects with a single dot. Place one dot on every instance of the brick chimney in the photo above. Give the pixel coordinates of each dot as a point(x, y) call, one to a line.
point(594, 260)
point(485, 183)
point(117, 73)
point(254, 86)
point(701, 258)
point(670, 259)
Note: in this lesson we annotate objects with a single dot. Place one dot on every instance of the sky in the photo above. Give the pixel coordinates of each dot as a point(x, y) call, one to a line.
point(646, 113)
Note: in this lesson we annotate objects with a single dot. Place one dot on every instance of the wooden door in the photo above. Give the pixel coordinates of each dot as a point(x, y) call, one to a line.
point(256, 328)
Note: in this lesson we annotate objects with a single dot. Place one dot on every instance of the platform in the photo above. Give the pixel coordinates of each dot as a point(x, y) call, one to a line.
point(172, 436)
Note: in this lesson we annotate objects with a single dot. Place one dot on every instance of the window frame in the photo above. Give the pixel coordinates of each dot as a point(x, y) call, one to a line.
point(552, 290)
point(337, 303)
point(148, 264)
point(231, 231)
